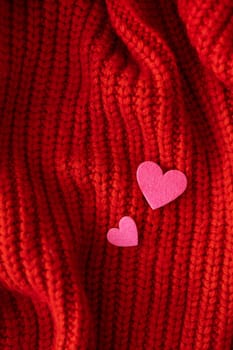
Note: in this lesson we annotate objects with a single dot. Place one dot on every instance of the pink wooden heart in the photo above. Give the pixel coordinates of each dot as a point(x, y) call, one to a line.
point(126, 235)
point(158, 188)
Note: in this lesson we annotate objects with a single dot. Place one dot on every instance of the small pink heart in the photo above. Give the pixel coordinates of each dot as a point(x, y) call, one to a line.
point(158, 188)
point(126, 235)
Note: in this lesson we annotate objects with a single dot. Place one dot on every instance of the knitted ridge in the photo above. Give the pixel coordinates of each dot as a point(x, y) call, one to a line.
point(89, 90)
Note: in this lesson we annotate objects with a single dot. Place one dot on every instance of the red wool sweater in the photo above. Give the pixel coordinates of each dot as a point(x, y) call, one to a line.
point(89, 90)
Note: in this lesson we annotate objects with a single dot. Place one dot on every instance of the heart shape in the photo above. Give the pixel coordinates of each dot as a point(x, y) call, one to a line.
point(158, 188)
point(126, 235)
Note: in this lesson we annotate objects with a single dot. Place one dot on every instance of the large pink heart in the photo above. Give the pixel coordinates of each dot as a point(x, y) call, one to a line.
point(126, 235)
point(158, 188)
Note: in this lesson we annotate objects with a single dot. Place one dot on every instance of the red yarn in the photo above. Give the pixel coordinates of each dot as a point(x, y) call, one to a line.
point(89, 90)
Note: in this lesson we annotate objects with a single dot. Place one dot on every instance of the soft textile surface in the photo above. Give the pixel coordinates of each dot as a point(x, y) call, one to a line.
point(89, 90)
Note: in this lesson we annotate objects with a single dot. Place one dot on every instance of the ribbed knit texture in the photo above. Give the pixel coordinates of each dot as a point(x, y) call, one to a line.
point(89, 90)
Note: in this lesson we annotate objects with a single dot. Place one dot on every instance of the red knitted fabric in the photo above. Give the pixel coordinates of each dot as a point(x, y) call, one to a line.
point(89, 90)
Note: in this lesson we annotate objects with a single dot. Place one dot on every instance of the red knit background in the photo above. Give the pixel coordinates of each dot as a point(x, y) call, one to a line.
point(89, 90)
